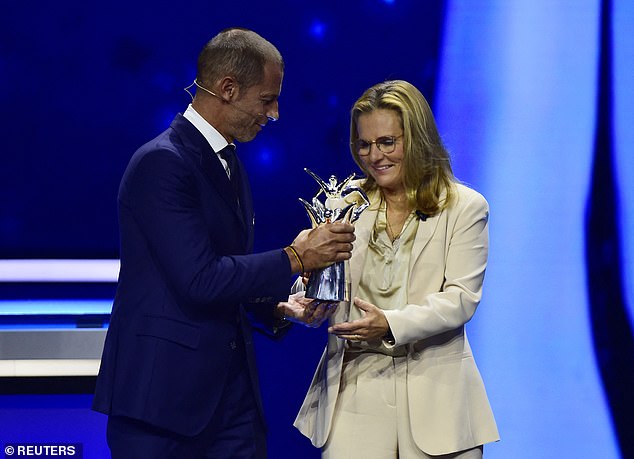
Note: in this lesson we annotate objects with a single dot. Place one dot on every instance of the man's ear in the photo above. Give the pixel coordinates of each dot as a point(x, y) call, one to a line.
point(228, 89)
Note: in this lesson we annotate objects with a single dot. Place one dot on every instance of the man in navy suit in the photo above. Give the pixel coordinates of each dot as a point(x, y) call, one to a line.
point(178, 377)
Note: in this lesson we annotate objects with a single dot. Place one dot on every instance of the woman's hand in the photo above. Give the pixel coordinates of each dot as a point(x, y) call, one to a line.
point(306, 311)
point(371, 327)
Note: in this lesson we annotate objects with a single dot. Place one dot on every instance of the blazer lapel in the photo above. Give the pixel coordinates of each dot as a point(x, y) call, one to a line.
point(216, 175)
point(211, 166)
point(426, 229)
point(246, 203)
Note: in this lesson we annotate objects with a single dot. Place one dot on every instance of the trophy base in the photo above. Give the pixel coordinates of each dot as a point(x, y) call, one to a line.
point(329, 284)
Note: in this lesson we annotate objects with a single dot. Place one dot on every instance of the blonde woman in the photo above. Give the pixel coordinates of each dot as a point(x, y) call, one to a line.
point(398, 378)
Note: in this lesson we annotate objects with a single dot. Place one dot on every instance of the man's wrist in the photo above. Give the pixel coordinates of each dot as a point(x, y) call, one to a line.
point(297, 265)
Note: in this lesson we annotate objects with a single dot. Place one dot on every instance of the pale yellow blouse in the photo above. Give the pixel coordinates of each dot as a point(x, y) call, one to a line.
point(385, 274)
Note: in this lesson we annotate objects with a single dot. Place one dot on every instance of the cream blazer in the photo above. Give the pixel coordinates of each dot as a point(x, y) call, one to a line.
point(448, 406)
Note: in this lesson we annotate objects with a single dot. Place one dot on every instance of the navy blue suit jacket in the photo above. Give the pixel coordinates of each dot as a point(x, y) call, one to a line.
point(186, 271)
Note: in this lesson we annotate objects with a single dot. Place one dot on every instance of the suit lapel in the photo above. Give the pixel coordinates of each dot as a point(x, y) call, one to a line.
point(212, 168)
point(426, 230)
point(246, 203)
point(424, 234)
point(216, 175)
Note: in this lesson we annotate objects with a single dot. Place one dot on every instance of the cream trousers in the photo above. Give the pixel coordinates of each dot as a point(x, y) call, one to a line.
point(371, 419)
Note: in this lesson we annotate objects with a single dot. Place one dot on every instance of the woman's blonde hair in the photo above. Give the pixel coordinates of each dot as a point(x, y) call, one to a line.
point(427, 173)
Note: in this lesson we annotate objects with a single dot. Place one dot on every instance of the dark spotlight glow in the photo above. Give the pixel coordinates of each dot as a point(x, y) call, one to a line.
point(318, 29)
point(265, 157)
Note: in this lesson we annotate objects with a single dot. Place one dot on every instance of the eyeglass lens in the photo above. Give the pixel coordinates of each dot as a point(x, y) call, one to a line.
point(385, 144)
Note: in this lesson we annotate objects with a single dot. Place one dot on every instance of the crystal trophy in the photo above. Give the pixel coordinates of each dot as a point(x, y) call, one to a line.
point(332, 283)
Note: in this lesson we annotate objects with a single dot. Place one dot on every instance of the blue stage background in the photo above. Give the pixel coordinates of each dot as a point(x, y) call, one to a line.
point(515, 86)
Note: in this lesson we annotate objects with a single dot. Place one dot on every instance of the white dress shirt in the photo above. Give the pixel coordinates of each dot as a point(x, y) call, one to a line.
point(215, 139)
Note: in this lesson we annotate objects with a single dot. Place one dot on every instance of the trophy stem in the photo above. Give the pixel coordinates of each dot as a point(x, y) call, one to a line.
point(329, 283)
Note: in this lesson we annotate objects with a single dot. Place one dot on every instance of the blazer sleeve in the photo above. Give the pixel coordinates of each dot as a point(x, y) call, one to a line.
point(162, 193)
point(456, 297)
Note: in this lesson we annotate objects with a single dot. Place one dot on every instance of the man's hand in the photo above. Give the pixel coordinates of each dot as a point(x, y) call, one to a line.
point(324, 245)
point(372, 326)
point(306, 311)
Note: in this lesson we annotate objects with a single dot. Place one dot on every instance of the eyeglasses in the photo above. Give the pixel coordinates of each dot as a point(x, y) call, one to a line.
point(385, 144)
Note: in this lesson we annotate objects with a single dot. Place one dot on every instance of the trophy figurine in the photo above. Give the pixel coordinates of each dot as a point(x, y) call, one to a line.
point(332, 282)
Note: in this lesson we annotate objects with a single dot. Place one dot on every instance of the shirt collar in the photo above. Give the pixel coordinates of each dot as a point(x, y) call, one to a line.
point(211, 134)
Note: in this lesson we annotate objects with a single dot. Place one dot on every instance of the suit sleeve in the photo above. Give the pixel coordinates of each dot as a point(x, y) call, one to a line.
point(464, 266)
point(162, 195)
